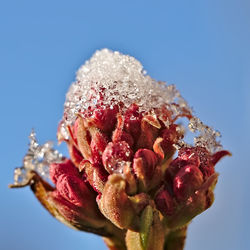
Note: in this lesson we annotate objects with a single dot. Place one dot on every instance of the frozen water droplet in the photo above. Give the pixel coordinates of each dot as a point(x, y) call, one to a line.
point(20, 175)
point(207, 136)
point(119, 167)
point(38, 158)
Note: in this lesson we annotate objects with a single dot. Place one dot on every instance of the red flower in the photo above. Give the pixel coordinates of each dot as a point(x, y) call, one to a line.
point(121, 178)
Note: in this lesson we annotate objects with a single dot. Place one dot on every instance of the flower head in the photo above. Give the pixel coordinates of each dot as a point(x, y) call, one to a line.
point(122, 130)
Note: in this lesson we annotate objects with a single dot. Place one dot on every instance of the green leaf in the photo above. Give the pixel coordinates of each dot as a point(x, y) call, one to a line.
point(146, 222)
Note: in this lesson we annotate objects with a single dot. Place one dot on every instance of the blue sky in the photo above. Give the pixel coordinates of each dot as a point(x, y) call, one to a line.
point(201, 46)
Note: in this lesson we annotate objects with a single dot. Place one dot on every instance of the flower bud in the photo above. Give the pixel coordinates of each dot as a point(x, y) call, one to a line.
point(145, 168)
point(149, 160)
point(94, 174)
point(76, 216)
point(116, 205)
point(121, 129)
point(115, 155)
point(68, 206)
point(120, 134)
point(74, 190)
point(66, 167)
point(105, 118)
point(187, 181)
point(149, 131)
point(170, 136)
point(132, 122)
point(164, 202)
point(98, 144)
point(196, 203)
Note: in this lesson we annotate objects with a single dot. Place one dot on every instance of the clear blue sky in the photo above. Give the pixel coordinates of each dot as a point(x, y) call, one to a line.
point(201, 46)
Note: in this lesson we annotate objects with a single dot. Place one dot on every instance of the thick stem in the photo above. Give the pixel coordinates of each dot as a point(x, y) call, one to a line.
point(175, 240)
point(114, 243)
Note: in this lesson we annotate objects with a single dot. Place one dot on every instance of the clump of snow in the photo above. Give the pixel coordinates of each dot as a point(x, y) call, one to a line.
point(111, 78)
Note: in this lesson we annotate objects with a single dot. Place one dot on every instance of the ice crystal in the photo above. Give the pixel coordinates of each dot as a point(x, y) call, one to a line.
point(37, 158)
point(111, 78)
point(207, 136)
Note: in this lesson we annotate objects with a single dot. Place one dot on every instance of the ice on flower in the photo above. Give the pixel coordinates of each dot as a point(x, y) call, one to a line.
point(111, 78)
point(123, 179)
point(119, 79)
point(207, 136)
point(38, 158)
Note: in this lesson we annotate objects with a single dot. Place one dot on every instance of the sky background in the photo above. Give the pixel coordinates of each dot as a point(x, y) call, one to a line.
point(201, 46)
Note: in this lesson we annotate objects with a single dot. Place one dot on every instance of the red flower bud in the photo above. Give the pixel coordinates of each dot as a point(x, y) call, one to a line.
point(74, 215)
point(164, 203)
point(146, 169)
point(98, 144)
point(115, 155)
point(94, 174)
point(66, 167)
point(116, 205)
point(74, 190)
point(120, 134)
point(105, 118)
point(121, 130)
point(187, 181)
point(132, 123)
point(149, 161)
point(189, 156)
point(150, 127)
